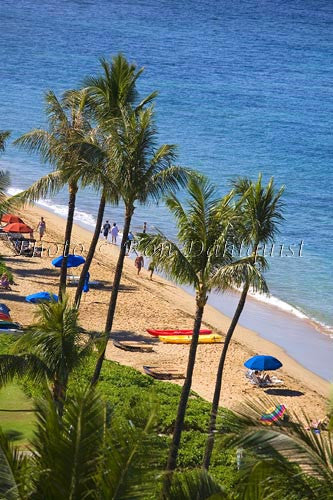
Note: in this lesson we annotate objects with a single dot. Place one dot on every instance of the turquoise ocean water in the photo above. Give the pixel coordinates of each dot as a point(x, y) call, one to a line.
point(245, 87)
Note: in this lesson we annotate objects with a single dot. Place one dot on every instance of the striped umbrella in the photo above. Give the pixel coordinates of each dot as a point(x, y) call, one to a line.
point(273, 414)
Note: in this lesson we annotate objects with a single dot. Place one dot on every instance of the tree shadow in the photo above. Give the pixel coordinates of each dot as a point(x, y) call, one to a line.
point(284, 392)
point(14, 297)
point(132, 336)
point(17, 411)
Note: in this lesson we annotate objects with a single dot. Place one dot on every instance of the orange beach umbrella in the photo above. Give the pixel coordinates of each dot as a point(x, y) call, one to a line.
point(17, 227)
point(10, 218)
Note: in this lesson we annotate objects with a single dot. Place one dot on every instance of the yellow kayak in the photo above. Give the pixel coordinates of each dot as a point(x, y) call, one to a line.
point(213, 338)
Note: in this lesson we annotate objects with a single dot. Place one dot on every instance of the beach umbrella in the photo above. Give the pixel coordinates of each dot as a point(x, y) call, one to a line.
point(263, 362)
point(72, 260)
point(36, 298)
point(17, 227)
point(4, 317)
point(10, 219)
point(273, 414)
point(5, 309)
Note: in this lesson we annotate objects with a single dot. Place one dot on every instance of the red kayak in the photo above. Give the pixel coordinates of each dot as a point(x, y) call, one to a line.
point(157, 333)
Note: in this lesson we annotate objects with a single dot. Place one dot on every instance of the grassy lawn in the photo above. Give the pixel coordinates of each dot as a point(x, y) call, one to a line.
point(16, 414)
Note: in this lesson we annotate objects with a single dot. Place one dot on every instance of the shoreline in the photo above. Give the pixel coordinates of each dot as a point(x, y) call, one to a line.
point(160, 303)
point(278, 305)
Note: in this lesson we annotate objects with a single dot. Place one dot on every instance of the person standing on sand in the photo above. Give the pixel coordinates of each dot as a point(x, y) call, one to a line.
point(106, 229)
point(129, 241)
point(41, 228)
point(114, 233)
point(151, 269)
point(139, 262)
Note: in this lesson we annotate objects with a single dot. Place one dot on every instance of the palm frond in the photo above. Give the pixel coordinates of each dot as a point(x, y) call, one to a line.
point(132, 459)
point(12, 366)
point(241, 272)
point(290, 440)
point(4, 134)
point(69, 452)
point(196, 485)
point(48, 185)
point(168, 257)
point(13, 470)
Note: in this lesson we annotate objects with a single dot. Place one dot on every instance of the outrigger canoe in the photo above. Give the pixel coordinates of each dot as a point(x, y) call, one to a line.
point(213, 338)
point(166, 333)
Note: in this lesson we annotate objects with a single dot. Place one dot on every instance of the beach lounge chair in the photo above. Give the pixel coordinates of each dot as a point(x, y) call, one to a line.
point(259, 382)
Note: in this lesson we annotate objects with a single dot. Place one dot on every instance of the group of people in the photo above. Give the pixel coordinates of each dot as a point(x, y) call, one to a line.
point(113, 230)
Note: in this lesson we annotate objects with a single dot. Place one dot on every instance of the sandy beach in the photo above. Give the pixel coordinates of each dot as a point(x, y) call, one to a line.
point(155, 304)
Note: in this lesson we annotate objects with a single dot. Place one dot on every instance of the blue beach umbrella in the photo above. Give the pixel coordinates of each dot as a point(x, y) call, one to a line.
point(37, 298)
point(263, 362)
point(4, 309)
point(72, 260)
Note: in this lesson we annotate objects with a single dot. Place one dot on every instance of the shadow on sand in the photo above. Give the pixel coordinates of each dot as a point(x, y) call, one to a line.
point(284, 392)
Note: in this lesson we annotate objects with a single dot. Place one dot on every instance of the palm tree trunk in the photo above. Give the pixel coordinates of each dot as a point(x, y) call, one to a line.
point(68, 233)
point(114, 293)
point(91, 251)
point(59, 395)
point(179, 423)
point(219, 375)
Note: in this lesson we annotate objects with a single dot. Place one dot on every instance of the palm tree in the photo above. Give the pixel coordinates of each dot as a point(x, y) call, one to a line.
point(60, 147)
point(204, 225)
point(303, 457)
point(141, 173)
point(87, 456)
point(50, 350)
point(4, 176)
point(107, 94)
point(261, 213)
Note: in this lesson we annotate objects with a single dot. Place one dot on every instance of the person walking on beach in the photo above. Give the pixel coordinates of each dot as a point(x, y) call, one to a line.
point(114, 233)
point(106, 229)
point(139, 262)
point(41, 228)
point(130, 238)
point(151, 269)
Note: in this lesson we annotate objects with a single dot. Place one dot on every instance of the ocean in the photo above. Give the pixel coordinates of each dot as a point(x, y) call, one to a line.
point(245, 86)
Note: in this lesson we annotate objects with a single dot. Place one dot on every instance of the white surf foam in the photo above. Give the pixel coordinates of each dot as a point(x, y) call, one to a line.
point(288, 308)
point(79, 215)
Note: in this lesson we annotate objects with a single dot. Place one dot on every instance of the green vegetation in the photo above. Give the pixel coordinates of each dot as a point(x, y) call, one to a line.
point(101, 430)
point(4, 269)
point(17, 418)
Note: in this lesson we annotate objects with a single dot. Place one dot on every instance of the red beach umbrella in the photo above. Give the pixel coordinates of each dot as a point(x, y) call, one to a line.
point(17, 227)
point(10, 218)
point(4, 317)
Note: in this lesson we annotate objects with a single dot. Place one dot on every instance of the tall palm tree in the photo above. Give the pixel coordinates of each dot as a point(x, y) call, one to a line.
point(141, 173)
point(261, 213)
point(107, 94)
point(50, 350)
point(203, 237)
point(59, 146)
point(4, 176)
